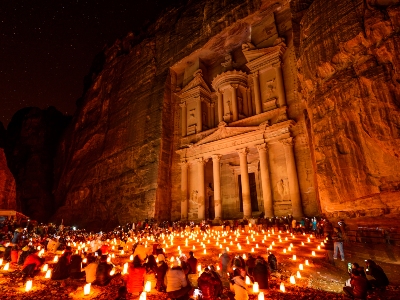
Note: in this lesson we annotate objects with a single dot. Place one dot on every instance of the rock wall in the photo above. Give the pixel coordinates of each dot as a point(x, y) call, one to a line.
point(31, 142)
point(349, 64)
point(7, 182)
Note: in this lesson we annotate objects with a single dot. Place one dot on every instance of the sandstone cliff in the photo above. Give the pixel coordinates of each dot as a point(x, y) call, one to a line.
point(348, 59)
point(7, 182)
point(32, 139)
point(117, 162)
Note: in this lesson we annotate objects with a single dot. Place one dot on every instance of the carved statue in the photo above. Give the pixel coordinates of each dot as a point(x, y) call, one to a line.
point(194, 196)
point(229, 63)
point(282, 188)
point(271, 87)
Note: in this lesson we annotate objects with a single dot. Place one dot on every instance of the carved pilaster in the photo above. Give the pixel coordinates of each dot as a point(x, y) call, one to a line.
point(216, 158)
point(183, 118)
point(265, 180)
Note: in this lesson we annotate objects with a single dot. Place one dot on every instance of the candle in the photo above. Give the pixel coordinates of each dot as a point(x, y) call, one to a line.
point(55, 258)
point(294, 256)
point(298, 274)
point(292, 280)
point(261, 296)
point(204, 252)
point(319, 247)
point(199, 267)
point(28, 286)
point(131, 257)
point(6, 266)
point(48, 274)
point(301, 267)
point(313, 253)
point(109, 259)
point(247, 280)
point(255, 287)
point(244, 256)
point(45, 268)
point(112, 272)
point(284, 250)
point(307, 262)
point(86, 289)
point(125, 270)
point(147, 287)
point(282, 287)
point(1, 261)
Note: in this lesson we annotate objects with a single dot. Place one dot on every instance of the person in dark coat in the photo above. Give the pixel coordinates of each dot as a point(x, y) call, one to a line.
point(207, 285)
point(192, 262)
point(380, 279)
point(272, 261)
point(260, 273)
point(75, 267)
point(161, 270)
point(250, 264)
point(25, 252)
point(103, 276)
point(61, 269)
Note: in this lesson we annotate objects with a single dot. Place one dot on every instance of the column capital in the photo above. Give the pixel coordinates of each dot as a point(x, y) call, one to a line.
point(212, 104)
point(234, 85)
point(262, 147)
point(216, 157)
point(277, 65)
point(201, 160)
point(182, 104)
point(287, 142)
point(255, 74)
point(184, 163)
point(243, 151)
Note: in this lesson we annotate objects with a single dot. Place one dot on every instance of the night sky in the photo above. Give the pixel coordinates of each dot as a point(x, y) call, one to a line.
point(47, 47)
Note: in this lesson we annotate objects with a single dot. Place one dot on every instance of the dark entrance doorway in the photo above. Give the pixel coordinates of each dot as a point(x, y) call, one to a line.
point(253, 192)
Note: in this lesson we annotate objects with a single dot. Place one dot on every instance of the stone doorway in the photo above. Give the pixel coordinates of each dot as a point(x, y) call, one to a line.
point(253, 192)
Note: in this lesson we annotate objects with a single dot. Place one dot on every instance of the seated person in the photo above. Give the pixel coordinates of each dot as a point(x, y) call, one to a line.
point(208, 285)
point(103, 276)
point(359, 285)
point(91, 269)
point(135, 278)
point(161, 270)
point(239, 286)
point(175, 280)
point(260, 273)
point(61, 269)
point(380, 279)
point(32, 264)
point(75, 267)
point(25, 252)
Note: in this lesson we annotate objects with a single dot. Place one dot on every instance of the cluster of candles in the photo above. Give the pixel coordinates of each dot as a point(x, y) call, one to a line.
point(200, 242)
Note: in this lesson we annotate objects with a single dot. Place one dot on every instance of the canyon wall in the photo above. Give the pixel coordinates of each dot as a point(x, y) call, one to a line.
point(31, 141)
point(349, 68)
point(7, 182)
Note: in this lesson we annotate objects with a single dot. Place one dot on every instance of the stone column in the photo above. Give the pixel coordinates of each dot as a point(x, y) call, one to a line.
point(184, 190)
point(245, 183)
point(265, 180)
point(245, 103)
point(220, 107)
point(280, 88)
point(213, 115)
point(257, 95)
point(217, 186)
point(209, 115)
point(235, 114)
point(184, 116)
point(250, 106)
point(201, 214)
point(199, 126)
point(292, 176)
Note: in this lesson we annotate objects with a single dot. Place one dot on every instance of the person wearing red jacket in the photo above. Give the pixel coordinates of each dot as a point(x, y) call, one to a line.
point(208, 285)
point(32, 263)
point(135, 278)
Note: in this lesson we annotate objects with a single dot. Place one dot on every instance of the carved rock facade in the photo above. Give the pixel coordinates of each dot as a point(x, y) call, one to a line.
point(231, 109)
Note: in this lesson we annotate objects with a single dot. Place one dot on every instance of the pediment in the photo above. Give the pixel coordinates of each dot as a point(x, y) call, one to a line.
point(257, 53)
point(197, 82)
point(224, 132)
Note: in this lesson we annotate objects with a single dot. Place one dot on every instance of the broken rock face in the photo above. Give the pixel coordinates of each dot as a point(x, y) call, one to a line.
point(350, 81)
point(7, 182)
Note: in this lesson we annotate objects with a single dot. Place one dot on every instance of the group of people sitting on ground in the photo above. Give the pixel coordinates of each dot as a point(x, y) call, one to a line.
point(358, 285)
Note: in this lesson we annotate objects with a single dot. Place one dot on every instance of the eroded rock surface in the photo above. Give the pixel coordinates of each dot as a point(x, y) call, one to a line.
point(349, 66)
